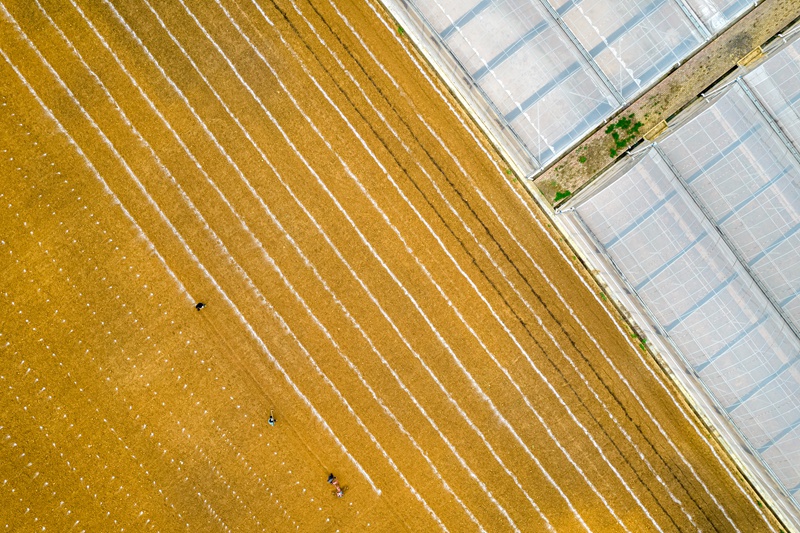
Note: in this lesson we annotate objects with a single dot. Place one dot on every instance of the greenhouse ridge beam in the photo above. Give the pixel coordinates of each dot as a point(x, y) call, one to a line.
point(587, 55)
point(696, 22)
point(768, 117)
point(734, 249)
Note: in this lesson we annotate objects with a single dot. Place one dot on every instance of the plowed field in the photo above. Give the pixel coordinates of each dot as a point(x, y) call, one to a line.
point(371, 275)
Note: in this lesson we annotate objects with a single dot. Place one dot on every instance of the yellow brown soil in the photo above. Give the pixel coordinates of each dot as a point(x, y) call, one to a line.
point(370, 272)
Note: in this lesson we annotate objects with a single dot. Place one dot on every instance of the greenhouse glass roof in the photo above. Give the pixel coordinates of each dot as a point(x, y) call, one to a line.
point(554, 69)
point(704, 225)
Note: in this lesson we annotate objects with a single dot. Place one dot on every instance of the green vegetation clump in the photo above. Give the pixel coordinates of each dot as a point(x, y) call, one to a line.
point(624, 131)
point(560, 195)
point(642, 341)
point(401, 31)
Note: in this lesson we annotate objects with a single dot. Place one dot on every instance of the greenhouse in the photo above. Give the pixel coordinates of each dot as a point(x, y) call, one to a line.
point(552, 70)
point(703, 226)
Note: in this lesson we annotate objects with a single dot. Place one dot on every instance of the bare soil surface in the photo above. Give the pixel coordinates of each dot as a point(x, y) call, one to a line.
point(371, 276)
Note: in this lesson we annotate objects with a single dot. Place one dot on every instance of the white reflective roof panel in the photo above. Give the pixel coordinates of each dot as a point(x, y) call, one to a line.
point(748, 181)
point(555, 69)
point(633, 42)
point(725, 327)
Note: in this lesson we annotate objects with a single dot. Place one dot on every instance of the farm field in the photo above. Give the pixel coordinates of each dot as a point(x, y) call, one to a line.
point(371, 273)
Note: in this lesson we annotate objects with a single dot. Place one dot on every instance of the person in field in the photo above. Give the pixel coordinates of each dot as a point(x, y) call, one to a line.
point(335, 482)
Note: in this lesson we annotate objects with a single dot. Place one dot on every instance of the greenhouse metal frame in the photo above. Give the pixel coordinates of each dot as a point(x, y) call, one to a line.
point(551, 71)
point(702, 226)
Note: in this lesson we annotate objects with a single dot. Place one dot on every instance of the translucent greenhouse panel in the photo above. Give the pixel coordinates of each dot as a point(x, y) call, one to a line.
point(490, 32)
point(526, 66)
point(442, 15)
point(752, 363)
point(770, 415)
point(716, 14)
point(717, 316)
point(776, 82)
point(633, 42)
point(559, 112)
point(747, 180)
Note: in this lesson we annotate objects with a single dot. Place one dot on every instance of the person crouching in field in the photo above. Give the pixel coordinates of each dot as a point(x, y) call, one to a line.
point(335, 482)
